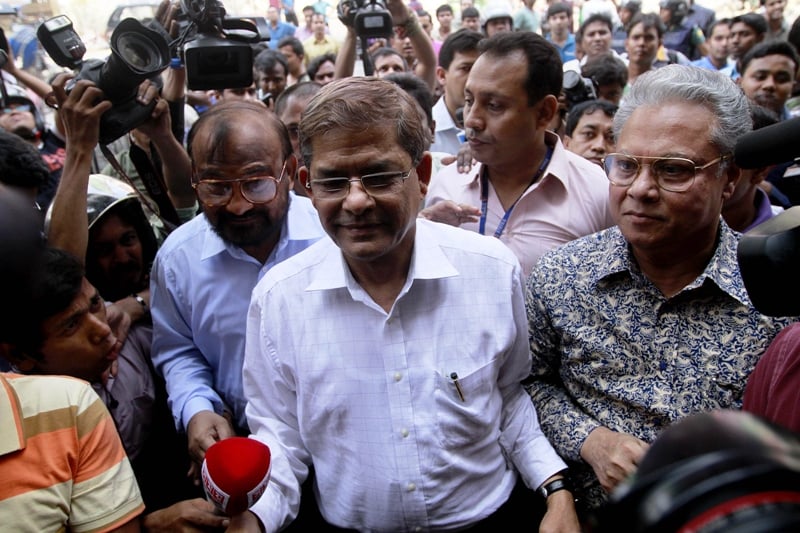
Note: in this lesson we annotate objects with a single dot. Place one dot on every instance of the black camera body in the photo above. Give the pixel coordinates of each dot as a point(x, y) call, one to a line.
point(137, 53)
point(369, 18)
point(216, 49)
point(577, 88)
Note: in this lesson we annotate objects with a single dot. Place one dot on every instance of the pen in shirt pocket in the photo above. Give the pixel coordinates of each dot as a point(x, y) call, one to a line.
point(454, 377)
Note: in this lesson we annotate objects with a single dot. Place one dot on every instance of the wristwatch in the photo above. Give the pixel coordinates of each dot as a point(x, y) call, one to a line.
point(556, 485)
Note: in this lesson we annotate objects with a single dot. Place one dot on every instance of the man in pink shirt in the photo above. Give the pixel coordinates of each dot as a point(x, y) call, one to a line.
point(528, 190)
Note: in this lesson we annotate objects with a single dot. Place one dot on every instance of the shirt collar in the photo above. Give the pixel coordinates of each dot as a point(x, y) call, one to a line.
point(442, 116)
point(722, 269)
point(428, 261)
point(558, 168)
point(295, 228)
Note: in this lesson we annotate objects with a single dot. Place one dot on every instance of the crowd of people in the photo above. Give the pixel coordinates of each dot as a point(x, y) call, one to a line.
point(457, 278)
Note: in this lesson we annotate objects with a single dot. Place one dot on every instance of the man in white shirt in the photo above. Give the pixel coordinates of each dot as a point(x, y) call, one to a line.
point(456, 58)
point(398, 375)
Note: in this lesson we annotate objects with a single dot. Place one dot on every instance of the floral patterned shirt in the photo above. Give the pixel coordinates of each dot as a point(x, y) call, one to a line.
point(609, 349)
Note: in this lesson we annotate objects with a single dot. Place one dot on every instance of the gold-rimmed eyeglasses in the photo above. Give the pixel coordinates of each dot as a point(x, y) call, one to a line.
point(376, 184)
point(256, 189)
point(674, 174)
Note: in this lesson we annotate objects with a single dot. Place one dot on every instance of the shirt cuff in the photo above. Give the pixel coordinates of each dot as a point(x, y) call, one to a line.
point(194, 406)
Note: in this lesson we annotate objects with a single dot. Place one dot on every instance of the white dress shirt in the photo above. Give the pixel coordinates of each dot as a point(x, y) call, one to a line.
point(446, 139)
point(367, 396)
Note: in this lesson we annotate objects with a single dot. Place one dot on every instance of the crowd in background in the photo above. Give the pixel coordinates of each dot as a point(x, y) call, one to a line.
point(299, 260)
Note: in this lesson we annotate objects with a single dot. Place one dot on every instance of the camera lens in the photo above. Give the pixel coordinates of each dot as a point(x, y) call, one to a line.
point(571, 79)
point(138, 51)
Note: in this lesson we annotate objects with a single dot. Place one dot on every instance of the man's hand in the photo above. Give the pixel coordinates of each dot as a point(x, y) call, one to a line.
point(119, 320)
point(246, 522)
point(205, 428)
point(10, 65)
point(158, 125)
point(612, 455)
point(399, 11)
point(449, 212)
point(80, 111)
point(166, 15)
point(188, 516)
point(464, 159)
point(560, 516)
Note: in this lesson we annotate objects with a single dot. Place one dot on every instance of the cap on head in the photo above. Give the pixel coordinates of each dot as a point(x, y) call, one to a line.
point(677, 8)
point(18, 95)
point(497, 10)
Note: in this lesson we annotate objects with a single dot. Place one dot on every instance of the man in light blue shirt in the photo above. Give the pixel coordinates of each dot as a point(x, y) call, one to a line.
point(559, 20)
point(718, 57)
point(278, 29)
point(204, 272)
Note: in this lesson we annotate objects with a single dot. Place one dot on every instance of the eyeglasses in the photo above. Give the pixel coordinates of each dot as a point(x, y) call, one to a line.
point(377, 184)
point(19, 108)
point(674, 174)
point(256, 190)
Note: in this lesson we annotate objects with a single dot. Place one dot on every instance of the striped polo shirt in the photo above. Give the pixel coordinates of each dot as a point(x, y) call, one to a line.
point(62, 464)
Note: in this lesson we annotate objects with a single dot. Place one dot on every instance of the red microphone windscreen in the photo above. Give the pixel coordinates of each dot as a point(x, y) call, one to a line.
point(235, 473)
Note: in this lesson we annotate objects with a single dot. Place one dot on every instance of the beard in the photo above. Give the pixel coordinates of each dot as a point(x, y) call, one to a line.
point(253, 229)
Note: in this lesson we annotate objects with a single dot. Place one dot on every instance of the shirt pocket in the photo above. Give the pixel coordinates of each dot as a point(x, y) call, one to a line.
point(464, 422)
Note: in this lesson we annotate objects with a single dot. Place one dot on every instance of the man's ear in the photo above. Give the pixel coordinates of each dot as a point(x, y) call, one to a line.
point(548, 108)
point(732, 176)
point(424, 170)
point(18, 358)
point(441, 75)
point(291, 169)
point(305, 178)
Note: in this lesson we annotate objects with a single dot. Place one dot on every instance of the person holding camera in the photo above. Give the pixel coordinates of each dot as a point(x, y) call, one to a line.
point(528, 190)
point(407, 30)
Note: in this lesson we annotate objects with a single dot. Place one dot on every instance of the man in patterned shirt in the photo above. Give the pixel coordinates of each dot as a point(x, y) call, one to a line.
point(639, 325)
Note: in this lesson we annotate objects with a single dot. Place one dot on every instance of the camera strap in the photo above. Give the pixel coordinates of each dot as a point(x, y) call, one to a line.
point(153, 182)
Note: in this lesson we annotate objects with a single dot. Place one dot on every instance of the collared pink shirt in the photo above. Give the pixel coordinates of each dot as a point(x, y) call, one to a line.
point(570, 201)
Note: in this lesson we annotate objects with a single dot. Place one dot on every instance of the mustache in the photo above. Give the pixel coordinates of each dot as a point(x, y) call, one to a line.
point(351, 221)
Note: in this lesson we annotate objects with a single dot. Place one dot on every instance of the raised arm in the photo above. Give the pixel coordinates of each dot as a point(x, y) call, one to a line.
point(408, 26)
point(80, 112)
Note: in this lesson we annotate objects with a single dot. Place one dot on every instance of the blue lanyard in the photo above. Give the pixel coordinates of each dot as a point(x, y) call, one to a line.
point(485, 196)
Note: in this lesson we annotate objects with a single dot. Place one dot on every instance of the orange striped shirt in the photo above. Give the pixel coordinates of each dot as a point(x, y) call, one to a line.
point(62, 464)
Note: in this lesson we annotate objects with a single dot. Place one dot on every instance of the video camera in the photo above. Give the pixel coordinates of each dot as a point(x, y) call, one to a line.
point(577, 89)
point(217, 49)
point(769, 254)
point(137, 53)
point(369, 18)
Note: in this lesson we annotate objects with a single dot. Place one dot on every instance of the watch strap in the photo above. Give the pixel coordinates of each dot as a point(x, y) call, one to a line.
point(554, 486)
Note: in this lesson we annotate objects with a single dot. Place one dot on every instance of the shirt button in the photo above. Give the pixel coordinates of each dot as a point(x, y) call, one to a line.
point(404, 432)
point(398, 376)
point(411, 487)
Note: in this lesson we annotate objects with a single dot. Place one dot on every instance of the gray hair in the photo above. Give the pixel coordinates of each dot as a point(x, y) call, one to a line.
point(351, 105)
point(682, 83)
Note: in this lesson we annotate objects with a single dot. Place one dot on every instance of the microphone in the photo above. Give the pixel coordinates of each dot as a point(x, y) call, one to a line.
point(778, 143)
point(235, 473)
